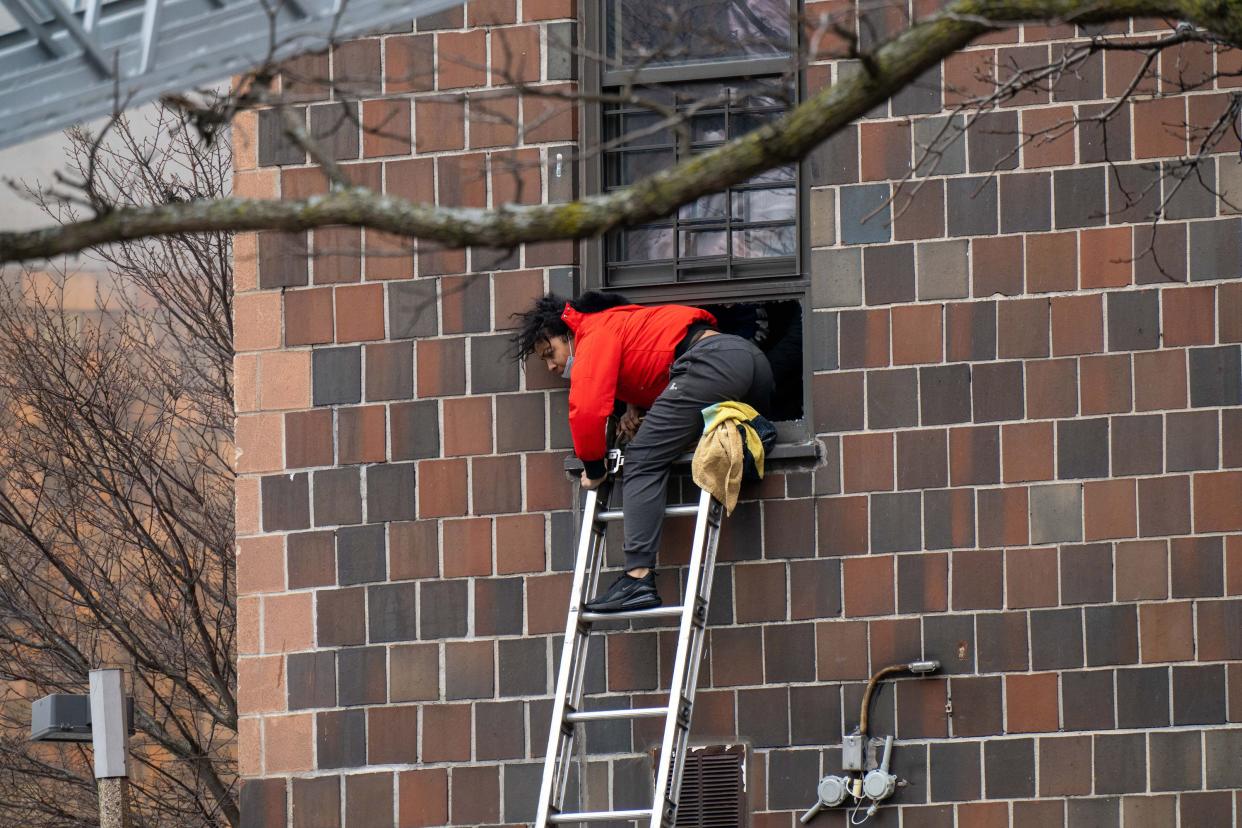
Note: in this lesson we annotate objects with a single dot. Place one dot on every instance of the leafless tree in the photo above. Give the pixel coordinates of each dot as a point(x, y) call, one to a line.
point(885, 52)
point(116, 519)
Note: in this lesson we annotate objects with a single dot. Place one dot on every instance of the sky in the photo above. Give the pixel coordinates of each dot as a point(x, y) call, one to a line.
point(34, 161)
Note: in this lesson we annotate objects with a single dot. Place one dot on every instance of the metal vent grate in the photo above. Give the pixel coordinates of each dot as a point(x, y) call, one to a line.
point(713, 788)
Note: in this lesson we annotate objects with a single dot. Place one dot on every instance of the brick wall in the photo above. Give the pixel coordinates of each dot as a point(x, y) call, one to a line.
point(1032, 465)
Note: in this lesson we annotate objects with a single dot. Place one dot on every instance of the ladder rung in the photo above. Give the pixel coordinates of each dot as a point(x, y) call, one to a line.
point(632, 615)
point(670, 511)
point(600, 816)
point(622, 713)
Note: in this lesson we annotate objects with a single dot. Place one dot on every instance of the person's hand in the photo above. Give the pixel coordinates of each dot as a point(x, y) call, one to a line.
point(588, 483)
point(630, 421)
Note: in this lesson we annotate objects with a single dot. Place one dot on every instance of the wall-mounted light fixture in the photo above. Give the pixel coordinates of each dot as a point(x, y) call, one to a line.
point(104, 717)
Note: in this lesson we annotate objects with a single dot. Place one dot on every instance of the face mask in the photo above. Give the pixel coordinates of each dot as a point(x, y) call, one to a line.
point(569, 364)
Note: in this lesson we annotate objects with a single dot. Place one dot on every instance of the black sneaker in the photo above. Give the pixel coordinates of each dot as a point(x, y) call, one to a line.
point(627, 593)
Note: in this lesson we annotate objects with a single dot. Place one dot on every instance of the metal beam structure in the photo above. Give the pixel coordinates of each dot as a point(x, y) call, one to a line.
point(63, 65)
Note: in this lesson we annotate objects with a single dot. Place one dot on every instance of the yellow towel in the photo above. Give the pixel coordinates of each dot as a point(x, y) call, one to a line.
point(717, 465)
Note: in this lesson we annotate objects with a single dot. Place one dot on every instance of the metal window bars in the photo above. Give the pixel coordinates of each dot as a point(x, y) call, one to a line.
point(665, 252)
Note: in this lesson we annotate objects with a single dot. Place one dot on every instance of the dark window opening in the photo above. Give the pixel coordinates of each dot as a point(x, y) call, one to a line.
point(776, 327)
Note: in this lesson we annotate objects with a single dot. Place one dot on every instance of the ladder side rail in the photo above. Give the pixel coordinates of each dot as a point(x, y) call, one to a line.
point(693, 579)
point(577, 686)
point(558, 746)
point(714, 520)
point(698, 640)
point(595, 561)
point(572, 699)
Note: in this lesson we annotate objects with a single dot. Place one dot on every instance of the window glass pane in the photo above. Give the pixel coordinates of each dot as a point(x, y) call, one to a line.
point(763, 242)
point(716, 112)
point(775, 175)
point(765, 205)
point(735, 98)
point(643, 33)
point(704, 243)
point(636, 165)
point(643, 244)
point(750, 121)
point(641, 129)
point(708, 128)
point(707, 208)
point(745, 232)
point(706, 273)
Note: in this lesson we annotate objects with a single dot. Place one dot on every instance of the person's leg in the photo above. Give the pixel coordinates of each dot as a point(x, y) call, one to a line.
point(669, 427)
point(717, 369)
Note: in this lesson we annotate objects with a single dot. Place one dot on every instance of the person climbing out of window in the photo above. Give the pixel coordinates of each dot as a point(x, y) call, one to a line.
point(666, 360)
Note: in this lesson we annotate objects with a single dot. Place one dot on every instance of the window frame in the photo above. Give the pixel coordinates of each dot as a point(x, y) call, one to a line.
point(593, 78)
point(726, 266)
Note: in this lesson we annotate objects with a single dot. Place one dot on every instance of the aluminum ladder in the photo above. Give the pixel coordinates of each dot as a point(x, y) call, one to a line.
point(567, 704)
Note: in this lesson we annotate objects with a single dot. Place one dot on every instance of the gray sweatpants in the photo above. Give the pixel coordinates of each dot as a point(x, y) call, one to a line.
point(715, 369)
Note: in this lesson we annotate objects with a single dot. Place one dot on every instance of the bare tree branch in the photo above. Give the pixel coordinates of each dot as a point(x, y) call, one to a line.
point(890, 67)
point(115, 498)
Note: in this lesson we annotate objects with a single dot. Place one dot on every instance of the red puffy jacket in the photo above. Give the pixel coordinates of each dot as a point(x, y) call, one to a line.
point(622, 353)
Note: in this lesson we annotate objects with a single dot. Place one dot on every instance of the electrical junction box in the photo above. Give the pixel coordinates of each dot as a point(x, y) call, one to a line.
point(852, 752)
point(66, 717)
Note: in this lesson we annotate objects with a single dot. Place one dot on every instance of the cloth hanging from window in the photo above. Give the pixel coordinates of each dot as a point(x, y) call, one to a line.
point(732, 448)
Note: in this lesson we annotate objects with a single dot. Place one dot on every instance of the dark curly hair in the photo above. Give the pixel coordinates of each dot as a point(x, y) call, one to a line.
point(543, 319)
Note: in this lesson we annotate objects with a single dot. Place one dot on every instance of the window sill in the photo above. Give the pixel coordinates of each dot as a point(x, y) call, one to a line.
point(785, 455)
